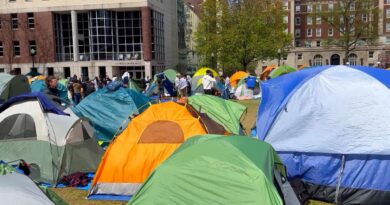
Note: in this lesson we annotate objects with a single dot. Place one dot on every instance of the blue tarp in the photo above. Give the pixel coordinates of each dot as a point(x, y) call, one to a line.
point(107, 110)
point(40, 86)
point(46, 104)
point(367, 157)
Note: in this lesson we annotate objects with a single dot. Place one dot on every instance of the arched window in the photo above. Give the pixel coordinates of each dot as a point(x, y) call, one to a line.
point(317, 60)
point(18, 126)
point(352, 59)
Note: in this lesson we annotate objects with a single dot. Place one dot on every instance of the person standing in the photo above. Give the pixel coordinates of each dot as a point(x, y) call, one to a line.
point(177, 83)
point(77, 92)
point(208, 82)
point(183, 84)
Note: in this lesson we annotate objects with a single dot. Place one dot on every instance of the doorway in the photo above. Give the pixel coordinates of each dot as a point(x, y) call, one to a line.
point(50, 71)
point(66, 72)
point(84, 73)
point(102, 71)
point(335, 59)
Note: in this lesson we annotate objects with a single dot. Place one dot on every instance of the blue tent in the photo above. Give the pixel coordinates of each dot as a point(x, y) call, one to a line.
point(107, 110)
point(40, 86)
point(330, 127)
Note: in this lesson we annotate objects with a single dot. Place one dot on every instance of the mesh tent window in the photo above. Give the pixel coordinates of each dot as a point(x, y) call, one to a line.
point(162, 132)
point(18, 126)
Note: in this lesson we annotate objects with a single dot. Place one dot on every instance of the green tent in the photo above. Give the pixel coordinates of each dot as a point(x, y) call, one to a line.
point(12, 85)
point(284, 69)
point(215, 169)
point(226, 113)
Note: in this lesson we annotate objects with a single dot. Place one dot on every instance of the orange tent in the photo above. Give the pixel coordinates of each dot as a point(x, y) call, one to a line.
point(236, 77)
point(267, 71)
point(149, 139)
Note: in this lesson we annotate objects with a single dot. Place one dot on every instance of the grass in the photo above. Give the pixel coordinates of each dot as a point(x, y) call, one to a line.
point(78, 197)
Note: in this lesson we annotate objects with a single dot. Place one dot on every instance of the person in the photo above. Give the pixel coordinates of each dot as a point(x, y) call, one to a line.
point(77, 91)
point(147, 83)
point(51, 86)
point(189, 88)
point(183, 84)
point(208, 82)
point(177, 82)
point(96, 83)
point(227, 87)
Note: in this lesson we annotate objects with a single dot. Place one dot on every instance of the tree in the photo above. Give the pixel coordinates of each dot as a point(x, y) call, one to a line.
point(355, 20)
point(239, 33)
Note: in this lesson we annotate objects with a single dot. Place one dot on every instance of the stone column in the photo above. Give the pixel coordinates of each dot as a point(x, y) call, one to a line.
point(75, 38)
point(147, 33)
point(148, 69)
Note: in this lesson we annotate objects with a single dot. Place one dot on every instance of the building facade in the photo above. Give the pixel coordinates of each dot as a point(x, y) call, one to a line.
point(89, 38)
point(310, 35)
point(192, 12)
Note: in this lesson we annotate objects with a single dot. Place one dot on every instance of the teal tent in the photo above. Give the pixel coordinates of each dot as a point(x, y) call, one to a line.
point(12, 85)
point(214, 169)
point(40, 86)
point(109, 111)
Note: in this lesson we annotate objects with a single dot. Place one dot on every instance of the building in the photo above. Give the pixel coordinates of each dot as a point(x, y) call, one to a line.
point(192, 12)
point(89, 38)
point(310, 34)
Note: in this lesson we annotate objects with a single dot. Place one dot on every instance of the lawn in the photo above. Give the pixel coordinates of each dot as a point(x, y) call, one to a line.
point(78, 197)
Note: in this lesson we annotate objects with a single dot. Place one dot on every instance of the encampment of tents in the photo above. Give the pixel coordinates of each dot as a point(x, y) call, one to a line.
point(12, 85)
point(148, 140)
point(236, 77)
point(281, 70)
point(214, 169)
point(109, 111)
point(226, 113)
point(329, 126)
point(49, 137)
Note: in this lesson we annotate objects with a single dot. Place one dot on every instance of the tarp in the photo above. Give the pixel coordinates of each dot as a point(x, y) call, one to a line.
point(40, 86)
point(149, 139)
point(226, 113)
point(12, 85)
point(109, 111)
point(327, 123)
point(236, 77)
point(215, 170)
point(284, 69)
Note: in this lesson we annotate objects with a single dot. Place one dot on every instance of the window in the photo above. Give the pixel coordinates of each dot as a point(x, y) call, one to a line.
point(30, 20)
point(14, 21)
point(307, 44)
point(387, 39)
point(297, 33)
point(331, 6)
point(330, 19)
point(2, 70)
point(300, 56)
point(365, 18)
point(298, 8)
point(309, 32)
point(18, 126)
point(298, 21)
point(309, 20)
point(285, 5)
point(285, 19)
point(318, 43)
point(330, 32)
point(16, 48)
point(371, 54)
point(318, 20)
point(387, 1)
point(309, 8)
point(317, 60)
point(352, 59)
point(318, 32)
point(32, 46)
point(1, 49)
point(318, 7)
point(387, 26)
point(387, 13)
point(352, 6)
point(297, 44)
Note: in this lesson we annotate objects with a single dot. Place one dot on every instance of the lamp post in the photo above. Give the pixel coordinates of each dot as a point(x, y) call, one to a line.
point(33, 52)
point(279, 55)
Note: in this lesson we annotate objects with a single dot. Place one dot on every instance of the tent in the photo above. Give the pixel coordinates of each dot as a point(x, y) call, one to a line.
point(236, 77)
point(329, 126)
point(40, 86)
point(196, 82)
point(49, 137)
point(284, 69)
point(39, 77)
point(242, 92)
point(109, 111)
point(148, 140)
point(266, 71)
point(214, 169)
point(12, 85)
point(225, 112)
point(133, 85)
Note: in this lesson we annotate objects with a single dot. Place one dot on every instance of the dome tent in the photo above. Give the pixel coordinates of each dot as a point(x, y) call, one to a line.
point(214, 169)
point(148, 140)
point(12, 85)
point(236, 77)
point(281, 70)
point(196, 81)
point(54, 140)
point(327, 123)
